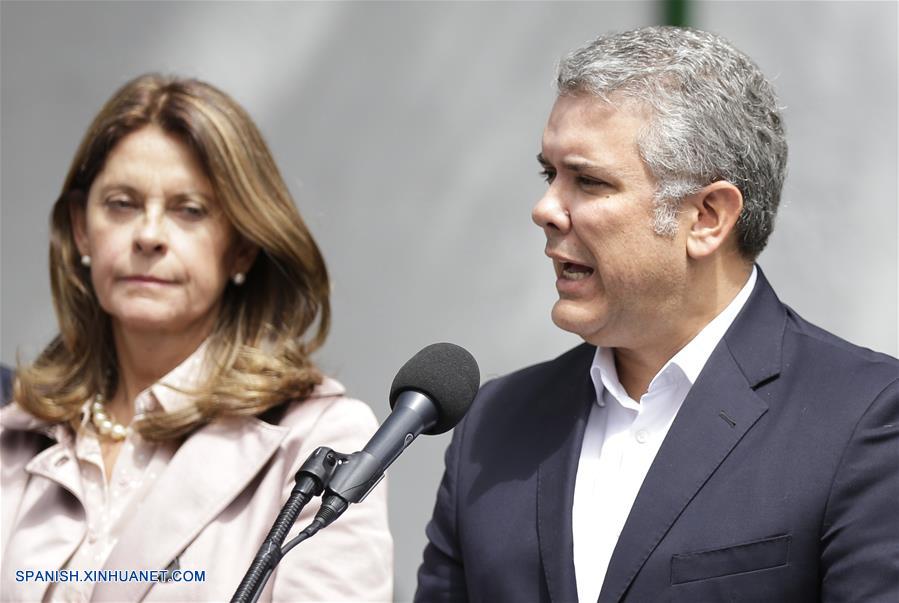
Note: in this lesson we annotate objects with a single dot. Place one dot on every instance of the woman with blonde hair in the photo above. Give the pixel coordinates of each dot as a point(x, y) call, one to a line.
point(163, 426)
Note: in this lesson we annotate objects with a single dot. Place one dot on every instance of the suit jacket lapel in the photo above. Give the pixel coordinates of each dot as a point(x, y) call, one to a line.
point(699, 439)
point(557, 473)
point(720, 408)
point(209, 470)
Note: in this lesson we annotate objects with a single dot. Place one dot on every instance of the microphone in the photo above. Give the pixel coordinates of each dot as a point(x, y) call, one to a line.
point(429, 395)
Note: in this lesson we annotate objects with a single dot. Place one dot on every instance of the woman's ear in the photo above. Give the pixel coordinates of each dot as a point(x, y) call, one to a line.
point(78, 218)
point(715, 210)
point(245, 255)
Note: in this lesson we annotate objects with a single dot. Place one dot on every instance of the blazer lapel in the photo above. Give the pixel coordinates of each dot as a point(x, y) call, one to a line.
point(556, 476)
point(47, 535)
point(720, 408)
point(58, 464)
point(207, 472)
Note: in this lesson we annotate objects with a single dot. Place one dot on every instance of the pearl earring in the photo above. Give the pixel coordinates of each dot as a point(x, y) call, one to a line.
point(239, 278)
point(86, 261)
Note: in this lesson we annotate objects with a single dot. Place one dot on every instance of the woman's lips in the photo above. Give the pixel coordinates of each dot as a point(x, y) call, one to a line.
point(147, 280)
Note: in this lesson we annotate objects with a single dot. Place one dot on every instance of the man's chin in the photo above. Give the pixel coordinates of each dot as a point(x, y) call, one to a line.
point(574, 318)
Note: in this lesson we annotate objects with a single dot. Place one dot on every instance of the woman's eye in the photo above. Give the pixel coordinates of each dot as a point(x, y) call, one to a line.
point(120, 203)
point(192, 211)
point(548, 175)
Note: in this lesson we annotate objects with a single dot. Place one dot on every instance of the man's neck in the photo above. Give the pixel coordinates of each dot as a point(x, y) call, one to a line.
point(709, 294)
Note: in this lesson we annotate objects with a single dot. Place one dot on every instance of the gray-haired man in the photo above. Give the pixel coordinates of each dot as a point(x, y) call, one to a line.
point(705, 443)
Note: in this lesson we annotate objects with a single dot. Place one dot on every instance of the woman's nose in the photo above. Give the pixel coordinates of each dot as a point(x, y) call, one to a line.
point(149, 236)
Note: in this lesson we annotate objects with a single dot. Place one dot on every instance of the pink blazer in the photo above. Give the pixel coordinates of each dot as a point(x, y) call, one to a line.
point(209, 510)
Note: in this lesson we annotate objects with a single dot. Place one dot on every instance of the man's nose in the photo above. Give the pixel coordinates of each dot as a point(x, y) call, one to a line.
point(550, 213)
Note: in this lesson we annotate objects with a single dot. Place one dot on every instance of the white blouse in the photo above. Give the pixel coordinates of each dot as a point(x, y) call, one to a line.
point(110, 503)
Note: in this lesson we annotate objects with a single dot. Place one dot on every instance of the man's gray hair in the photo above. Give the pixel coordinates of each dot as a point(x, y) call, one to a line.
point(714, 117)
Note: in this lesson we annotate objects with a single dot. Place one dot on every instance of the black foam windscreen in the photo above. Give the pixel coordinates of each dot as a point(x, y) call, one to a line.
point(445, 373)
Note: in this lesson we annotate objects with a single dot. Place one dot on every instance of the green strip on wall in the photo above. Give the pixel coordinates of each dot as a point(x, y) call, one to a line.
point(676, 12)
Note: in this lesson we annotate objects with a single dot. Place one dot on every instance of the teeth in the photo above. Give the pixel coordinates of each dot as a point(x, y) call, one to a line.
point(576, 275)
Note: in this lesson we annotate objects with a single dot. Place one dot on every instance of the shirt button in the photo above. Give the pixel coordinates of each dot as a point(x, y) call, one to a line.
point(92, 537)
point(642, 436)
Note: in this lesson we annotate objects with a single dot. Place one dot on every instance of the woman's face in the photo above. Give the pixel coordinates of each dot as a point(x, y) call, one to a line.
point(161, 249)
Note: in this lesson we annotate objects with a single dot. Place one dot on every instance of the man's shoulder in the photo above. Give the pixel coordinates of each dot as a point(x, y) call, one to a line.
point(520, 419)
point(573, 363)
point(811, 344)
point(529, 394)
point(771, 342)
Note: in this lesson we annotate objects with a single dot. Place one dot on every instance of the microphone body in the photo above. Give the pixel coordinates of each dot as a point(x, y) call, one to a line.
point(429, 394)
point(413, 413)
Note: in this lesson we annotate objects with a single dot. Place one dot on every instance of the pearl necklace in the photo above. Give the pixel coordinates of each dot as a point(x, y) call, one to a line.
point(104, 423)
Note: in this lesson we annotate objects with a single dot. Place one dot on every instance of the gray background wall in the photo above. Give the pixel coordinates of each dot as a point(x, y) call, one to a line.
point(407, 133)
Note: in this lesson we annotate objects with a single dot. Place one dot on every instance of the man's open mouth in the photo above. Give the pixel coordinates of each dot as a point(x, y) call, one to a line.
point(575, 272)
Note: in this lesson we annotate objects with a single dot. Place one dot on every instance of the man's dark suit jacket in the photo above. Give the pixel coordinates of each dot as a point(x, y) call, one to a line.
point(777, 482)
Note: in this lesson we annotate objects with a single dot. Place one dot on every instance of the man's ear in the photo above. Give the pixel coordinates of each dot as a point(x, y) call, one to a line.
point(712, 214)
point(78, 218)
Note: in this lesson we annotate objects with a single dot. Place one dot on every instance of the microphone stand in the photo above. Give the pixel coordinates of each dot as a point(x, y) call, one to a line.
point(311, 480)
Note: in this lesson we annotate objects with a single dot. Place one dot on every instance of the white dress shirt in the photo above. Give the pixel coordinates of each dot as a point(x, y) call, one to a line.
point(621, 440)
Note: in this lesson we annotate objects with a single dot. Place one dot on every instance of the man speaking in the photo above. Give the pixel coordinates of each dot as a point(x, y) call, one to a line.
point(705, 443)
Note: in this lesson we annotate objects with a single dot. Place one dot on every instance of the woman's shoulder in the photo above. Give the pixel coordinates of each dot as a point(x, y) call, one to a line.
point(328, 388)
point(23, 436)
point(327, 417)
point(329, 408)
point(17, 422)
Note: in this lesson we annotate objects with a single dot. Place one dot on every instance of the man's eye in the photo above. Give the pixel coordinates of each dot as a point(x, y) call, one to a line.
point(589, 182)
point(548, 175)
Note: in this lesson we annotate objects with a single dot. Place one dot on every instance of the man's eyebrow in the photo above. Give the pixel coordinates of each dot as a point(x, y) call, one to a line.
point(577, 165)
point(574, 164)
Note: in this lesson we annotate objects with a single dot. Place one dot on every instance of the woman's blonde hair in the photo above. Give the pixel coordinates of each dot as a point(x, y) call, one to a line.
point(259, 349)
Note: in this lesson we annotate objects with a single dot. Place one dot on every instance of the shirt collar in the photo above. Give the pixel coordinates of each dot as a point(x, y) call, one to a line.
point(174, 391)
point(605, 376)
point(686, 364)
point(693, 356)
